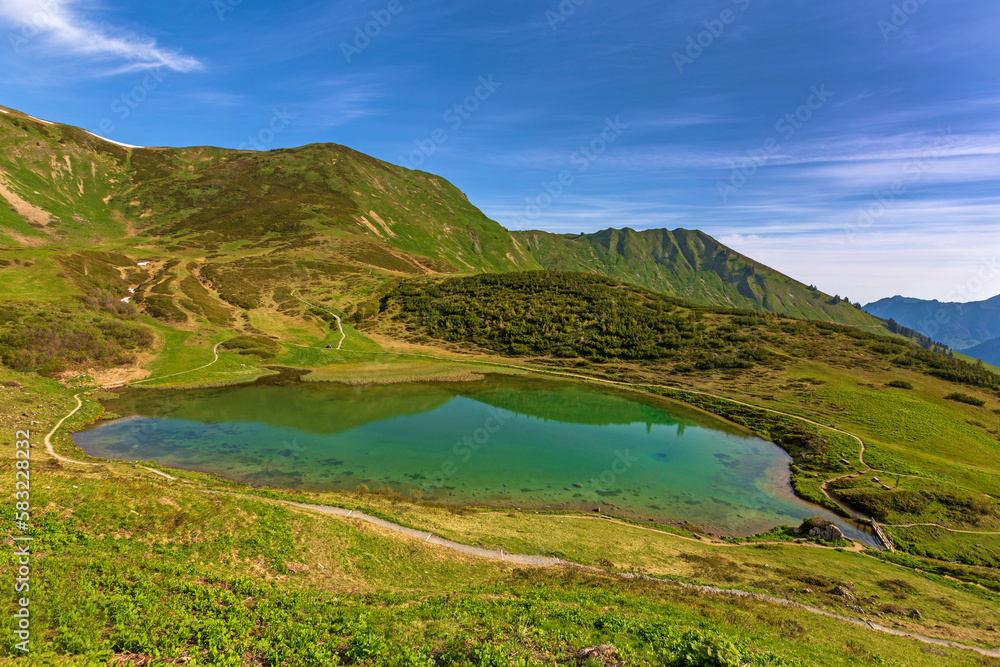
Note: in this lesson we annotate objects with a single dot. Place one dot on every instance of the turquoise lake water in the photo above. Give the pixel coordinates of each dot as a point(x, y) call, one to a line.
point(502, 441)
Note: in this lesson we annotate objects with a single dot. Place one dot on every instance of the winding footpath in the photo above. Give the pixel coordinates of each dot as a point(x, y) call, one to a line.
point(79, 404)
point(637, 385)
point(48, 438)
point(886, 541)
point(215, 351)
point(548, 561)
point(937, 525)
point(340, 325)
point(861, 456)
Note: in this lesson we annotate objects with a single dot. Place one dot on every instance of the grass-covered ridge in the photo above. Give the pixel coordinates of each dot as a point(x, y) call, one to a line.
point(596, 326)
point(219, 248)
point(135, 566)
point(576, 315)
point(66, 187)
point(690, 265)
point(101, 332)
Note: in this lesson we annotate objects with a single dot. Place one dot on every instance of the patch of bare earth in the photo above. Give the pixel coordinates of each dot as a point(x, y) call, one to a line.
point(26, 210)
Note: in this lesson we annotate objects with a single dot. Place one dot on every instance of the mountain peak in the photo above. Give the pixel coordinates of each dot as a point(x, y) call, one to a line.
point(68, 186)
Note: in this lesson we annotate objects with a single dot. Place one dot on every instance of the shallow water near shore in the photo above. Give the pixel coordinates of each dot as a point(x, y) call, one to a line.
point(502, 441)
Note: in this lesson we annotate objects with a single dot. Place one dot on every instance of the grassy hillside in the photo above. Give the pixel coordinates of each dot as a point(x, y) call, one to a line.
point(133, 565)
point(988, 351)
point(58, 183)
point(690, 265)
point(67, 187)
point(920, 413)
point(136, 569)
point(233, 263)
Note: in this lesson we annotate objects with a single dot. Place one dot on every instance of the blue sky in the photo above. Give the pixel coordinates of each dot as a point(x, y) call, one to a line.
point(853, 144)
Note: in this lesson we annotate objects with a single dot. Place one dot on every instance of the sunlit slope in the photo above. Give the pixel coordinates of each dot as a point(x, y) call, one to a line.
point(58, 183)
point(690, 265)
point(215, 195)
point(330, 204)
point(63, 185)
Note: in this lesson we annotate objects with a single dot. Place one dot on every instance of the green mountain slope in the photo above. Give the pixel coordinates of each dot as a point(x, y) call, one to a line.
point(58, 183)
point(173, 267)
point(66, 186)
point(232, 214)
point(690, 265)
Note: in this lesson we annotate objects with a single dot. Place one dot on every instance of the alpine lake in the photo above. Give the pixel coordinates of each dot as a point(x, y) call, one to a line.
point(502, 441)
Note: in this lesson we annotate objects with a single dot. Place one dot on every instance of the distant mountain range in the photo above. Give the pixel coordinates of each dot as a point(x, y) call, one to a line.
point(972, 328)
point(327, 212)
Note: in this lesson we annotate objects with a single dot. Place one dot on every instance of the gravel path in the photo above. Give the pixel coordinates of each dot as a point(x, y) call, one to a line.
point(215, 351)
point(48, 438)
point(340, 326)
point(937, 525)
point(545, 561)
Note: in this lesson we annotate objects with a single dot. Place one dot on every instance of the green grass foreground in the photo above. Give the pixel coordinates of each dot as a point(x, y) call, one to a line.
point(132, 566)
point(215, 251)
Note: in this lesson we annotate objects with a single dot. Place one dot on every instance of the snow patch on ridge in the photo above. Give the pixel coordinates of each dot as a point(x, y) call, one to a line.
point(112, 141)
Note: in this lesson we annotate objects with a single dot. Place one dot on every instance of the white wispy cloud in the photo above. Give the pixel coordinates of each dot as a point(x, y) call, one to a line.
point(58, 25)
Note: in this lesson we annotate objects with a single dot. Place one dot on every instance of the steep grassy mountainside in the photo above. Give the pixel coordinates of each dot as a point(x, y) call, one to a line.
point(690, 265)
point(177, 267)
point(206, 195)
point(58, 183)
point(959, 325)
point(66, 186)
point(594, 325)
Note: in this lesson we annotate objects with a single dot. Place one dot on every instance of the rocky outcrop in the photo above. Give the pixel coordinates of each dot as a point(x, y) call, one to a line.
point(821, 529)
point(605, 654)
point(828, 533)
point(842, 592)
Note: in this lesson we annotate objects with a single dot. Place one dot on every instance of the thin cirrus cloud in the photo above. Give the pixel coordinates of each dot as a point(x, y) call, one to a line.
point(56, 25)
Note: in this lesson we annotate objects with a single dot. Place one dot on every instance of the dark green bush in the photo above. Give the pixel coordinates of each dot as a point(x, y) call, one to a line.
point(260, 346)
point(965, 398)
point(50, 342)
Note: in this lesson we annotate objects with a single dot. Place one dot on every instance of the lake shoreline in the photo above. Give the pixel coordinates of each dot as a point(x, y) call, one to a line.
point(732, 507)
